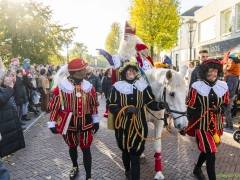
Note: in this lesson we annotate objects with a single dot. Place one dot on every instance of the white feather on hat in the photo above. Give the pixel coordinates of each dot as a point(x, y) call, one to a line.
point(62, 74)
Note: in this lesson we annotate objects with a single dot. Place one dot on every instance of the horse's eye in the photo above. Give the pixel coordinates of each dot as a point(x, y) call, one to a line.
point(171, 94)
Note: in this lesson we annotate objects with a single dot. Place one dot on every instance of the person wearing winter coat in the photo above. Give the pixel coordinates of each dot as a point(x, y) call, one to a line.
point(43, 87)
point(94, 80)
point(168, 61)
point(106, 87)
point(26, 64)
point(10, 127)
point(15, 64)
point(20, 94)
point(107, 82)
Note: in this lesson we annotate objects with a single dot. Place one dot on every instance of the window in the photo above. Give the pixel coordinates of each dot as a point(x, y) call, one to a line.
point(238, 17)
point(226, 22)
point(207, 30)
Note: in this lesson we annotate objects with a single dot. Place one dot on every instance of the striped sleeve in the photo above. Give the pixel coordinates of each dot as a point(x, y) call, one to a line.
point(112, 101)
point(191, 98)
point(54, 105)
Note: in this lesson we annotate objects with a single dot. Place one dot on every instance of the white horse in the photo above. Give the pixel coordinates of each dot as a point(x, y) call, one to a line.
point(169, 86)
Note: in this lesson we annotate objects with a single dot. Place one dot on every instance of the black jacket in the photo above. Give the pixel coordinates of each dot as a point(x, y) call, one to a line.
point(106, 85)
point(195, 76)
point(232, 82)
point(20, 94)
point(95, 81)
point(10, 127)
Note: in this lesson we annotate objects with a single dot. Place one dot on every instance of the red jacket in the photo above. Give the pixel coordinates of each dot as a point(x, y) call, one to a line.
point(142, 50)
point(80, 106)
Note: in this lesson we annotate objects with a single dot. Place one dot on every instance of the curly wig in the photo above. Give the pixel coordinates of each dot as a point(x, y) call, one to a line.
point(211, 63)
point(127, 66)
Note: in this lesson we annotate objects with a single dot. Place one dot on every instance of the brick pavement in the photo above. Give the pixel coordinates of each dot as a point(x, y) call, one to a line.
point(46, 156)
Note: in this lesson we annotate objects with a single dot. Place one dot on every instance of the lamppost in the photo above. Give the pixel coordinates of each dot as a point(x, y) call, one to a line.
point(191, 25)
point(67, 43)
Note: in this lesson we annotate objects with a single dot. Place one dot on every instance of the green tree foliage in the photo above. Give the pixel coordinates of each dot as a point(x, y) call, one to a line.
point(99, 61)
point(80, 50)
point(102, 62)
point(27, 28)
point(157, 22)
point(113, 39)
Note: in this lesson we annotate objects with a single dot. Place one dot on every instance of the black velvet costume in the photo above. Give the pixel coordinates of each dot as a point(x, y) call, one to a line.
point(117, 101)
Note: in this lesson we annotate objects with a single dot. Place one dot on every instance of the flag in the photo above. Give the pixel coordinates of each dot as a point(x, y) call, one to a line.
point(225, 58)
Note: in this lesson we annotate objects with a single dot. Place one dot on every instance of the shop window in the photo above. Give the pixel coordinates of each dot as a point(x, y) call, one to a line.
point(226, 22)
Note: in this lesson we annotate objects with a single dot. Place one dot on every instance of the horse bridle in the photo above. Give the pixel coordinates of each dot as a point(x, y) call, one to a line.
point(170, 111)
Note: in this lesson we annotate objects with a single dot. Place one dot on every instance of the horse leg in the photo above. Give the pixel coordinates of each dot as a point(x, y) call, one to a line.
point(158, 148)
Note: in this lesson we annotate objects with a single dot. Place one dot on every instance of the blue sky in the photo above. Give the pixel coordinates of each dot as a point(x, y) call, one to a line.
point(94, 17)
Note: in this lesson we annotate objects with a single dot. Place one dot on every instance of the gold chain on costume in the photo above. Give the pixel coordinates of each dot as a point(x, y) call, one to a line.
point(133, 121)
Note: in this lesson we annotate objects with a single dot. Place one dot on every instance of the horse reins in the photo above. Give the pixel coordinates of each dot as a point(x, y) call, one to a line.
point(169, 111)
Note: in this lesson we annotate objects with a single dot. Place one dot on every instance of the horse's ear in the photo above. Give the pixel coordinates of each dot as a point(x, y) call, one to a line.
point(169, 75)
point(183, 71)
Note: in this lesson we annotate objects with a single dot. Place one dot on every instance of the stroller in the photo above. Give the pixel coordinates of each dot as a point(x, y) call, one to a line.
point(236, 134)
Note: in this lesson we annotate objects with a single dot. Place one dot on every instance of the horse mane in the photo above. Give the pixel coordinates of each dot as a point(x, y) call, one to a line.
point(177, 81)
point(159, 75)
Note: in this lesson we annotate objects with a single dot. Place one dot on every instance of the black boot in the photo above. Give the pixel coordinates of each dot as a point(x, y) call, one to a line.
point(128, 175)
point(25, 118)
point(73, 173)
point(198, 173)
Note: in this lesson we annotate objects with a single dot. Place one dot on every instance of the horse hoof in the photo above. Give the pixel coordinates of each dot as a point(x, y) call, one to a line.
point(143, 160)
point(159, 176)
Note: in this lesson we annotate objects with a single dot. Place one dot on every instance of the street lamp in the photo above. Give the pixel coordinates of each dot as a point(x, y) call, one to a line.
point(191, 25)
point(67, 43)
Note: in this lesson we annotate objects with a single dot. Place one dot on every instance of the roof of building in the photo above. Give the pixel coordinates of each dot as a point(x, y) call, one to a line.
point(191, 11)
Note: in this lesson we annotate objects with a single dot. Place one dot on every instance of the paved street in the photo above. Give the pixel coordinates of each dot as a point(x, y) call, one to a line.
point(46, 156)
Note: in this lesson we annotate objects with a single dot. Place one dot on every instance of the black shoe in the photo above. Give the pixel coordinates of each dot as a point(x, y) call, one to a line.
point(198, 173)
point(22, 123)
point(128, 175)
point(73, 172)
point(25, 118)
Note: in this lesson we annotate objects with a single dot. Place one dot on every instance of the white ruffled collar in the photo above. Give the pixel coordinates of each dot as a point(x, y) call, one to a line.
point(67, 87)
point(220, 88)
point(126, 88)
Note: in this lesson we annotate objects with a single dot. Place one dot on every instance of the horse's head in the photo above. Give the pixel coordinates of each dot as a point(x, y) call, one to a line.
point(175, 92)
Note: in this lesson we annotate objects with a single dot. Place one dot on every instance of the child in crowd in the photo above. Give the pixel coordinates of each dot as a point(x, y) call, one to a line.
point(232, 68)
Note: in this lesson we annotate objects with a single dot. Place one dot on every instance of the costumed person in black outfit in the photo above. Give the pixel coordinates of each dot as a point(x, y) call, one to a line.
point(207, 93)
point(130, 96)
point(78, 96)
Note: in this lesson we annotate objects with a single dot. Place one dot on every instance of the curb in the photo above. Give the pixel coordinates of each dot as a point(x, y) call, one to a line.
point(40, 116)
